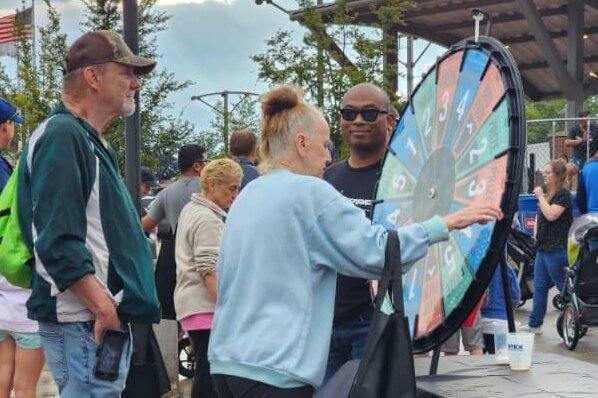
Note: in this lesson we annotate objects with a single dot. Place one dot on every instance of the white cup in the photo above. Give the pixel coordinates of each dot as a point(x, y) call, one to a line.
point(501, 352)
point(521, 347)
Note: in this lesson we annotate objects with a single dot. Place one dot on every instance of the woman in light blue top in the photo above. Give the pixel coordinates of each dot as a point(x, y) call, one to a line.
point(286, 237)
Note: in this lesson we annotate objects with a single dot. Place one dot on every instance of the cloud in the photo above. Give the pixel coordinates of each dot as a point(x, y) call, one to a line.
point(168, 3)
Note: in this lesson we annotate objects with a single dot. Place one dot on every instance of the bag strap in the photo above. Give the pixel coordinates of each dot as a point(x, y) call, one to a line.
point(391, 274)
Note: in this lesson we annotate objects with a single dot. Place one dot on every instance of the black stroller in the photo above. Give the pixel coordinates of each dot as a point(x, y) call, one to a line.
point(521, 255)
point(580, 293)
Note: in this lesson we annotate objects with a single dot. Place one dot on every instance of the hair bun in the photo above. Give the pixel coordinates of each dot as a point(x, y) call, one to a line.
point(280, 99)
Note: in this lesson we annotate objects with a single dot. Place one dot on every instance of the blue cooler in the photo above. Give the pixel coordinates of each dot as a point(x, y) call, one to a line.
point(528, 208)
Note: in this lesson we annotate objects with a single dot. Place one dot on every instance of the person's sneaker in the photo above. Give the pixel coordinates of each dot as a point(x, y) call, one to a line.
point(531, 329)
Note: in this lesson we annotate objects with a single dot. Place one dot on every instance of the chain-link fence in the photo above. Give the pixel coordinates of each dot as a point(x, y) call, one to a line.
point(552, 147)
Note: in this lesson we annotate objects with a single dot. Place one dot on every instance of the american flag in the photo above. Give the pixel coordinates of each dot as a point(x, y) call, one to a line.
point(7, 30)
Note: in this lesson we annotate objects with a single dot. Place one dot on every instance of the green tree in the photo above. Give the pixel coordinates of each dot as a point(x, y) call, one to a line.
point(162, 131)
point(243, 114)
point(36, 88)
point(550, 109)
point(287, 62)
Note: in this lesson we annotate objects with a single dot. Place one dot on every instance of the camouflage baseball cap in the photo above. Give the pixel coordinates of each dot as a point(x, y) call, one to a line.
point(104, 46)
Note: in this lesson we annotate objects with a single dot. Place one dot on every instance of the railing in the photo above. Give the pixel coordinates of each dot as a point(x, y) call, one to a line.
point(540, 153)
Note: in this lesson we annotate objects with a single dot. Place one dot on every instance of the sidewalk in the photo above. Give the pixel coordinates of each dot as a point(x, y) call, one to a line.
point(549, 342)
point(46, 388)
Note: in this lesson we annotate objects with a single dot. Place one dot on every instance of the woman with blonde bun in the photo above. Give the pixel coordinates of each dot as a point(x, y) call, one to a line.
point(285, 239)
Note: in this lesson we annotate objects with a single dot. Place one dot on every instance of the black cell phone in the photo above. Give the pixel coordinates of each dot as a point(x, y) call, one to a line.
point(109, 353)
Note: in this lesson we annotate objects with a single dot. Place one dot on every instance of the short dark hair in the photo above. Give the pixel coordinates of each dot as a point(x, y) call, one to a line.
point(189, 154)
point(584, 114)
point(242, 143)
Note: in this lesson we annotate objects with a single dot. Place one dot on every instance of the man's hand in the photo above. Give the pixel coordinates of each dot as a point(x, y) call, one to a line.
point(473, 214)
point(93, 295)
point(109, 320)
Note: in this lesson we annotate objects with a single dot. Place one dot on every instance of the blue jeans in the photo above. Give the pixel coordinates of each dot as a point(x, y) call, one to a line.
point(347, 342)
point(70, 351)
point(548, 269)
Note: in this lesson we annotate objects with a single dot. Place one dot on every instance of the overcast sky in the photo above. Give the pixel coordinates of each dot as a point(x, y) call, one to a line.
point(208, 42)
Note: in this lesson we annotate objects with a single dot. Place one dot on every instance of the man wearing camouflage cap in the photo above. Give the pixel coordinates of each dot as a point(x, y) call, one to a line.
point(93, 266)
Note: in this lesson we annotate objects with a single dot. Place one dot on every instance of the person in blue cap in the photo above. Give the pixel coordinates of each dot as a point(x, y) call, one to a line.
point(20, 344)
point(8, 117)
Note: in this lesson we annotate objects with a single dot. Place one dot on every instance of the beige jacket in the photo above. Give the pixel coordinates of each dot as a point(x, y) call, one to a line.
point(197, 244)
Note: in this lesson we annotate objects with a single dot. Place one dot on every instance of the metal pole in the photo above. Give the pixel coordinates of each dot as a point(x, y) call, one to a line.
point(507, 292)
point(434, 361)
point(588, 141)
point(225, 135)
point(33, 37)
point(553, 139)
point(320, 70)
point(132, 141)
point(410, 65)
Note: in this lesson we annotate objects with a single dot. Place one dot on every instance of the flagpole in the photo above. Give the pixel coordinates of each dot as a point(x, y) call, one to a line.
point(33, 36)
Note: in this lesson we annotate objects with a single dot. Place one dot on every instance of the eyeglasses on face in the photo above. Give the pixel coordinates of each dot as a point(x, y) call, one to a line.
point(367, 114)
point(203, 161)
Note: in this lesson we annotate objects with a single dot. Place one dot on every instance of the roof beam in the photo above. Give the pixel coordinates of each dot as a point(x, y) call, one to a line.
point(530, 90)
point(539, 30)
point(592, 3)
point(590, 88)
point(543, 64)
point(502, 18)
point(423, 11)
point(592, 30)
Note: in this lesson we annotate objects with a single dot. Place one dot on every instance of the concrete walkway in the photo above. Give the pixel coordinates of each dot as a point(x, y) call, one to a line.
point(549, 342)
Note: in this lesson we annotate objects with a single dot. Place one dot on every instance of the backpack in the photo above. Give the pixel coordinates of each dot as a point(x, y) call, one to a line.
point(16, 261)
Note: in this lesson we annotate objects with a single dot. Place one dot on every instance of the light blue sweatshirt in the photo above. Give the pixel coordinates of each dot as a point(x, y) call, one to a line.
point(285, 239)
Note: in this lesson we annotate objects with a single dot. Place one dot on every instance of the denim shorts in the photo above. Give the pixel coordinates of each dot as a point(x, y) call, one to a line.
point(26, 341)
point(70, 350)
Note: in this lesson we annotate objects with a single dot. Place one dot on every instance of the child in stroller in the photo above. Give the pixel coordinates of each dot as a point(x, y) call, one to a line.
point(580, 294)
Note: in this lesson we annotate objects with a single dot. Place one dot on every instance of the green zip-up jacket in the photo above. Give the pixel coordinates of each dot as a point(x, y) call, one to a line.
point(77, 218)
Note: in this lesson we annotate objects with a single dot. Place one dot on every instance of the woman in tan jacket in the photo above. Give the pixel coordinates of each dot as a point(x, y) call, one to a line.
point(197, 244)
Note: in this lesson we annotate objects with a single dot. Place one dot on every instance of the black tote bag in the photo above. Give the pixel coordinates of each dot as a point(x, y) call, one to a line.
point(386, 367)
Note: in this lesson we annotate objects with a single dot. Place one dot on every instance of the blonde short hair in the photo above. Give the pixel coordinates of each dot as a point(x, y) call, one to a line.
point(220, 170)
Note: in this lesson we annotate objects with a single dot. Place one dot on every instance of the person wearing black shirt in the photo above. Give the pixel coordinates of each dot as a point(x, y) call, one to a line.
point(555, 216)
point(580, 136)
point(365, 124)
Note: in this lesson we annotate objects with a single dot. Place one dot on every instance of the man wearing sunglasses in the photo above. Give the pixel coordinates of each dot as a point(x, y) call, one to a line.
point(365, 123)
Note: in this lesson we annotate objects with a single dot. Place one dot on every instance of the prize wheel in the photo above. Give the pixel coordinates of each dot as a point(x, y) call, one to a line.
point(460, 141)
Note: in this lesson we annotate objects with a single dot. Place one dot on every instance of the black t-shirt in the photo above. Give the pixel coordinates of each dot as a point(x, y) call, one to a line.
point(553, 234)
point(580, 151)
point(353, 294)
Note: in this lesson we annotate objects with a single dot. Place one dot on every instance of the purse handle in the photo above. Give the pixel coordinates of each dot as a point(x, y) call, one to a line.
point(391, 275)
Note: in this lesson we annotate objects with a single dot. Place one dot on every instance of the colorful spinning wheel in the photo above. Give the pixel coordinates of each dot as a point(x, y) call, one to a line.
point(460, 141)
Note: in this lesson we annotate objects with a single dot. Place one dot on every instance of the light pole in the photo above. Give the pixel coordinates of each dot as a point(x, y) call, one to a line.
point(132, 140)
point(225, 112)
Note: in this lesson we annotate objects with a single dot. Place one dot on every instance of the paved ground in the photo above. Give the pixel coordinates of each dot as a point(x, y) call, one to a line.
point(549, 341)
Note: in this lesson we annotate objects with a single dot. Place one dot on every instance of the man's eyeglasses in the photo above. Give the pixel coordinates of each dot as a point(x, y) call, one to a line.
point(203, 161)
point(367, 114)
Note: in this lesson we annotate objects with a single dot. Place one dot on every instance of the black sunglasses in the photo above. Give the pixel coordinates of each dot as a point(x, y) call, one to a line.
point(368, 114)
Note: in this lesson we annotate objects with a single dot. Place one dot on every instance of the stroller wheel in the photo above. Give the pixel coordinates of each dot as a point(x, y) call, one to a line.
point(558, 302)
point(559, 325)
point(186, 358)
point(521, 303)
point(570, 326)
